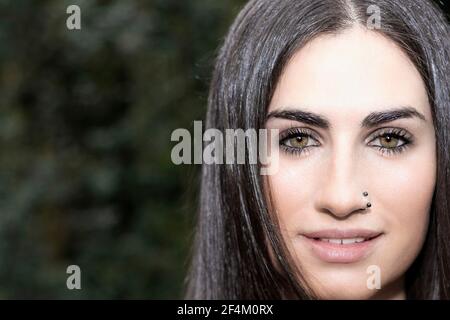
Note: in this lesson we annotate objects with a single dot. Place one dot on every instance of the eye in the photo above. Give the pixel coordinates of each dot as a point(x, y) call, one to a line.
point(297, 140)
point(392, 140)
point(389, 141)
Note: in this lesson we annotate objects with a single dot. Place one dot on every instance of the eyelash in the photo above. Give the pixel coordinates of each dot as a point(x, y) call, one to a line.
point(294, 133)
point(396, 133)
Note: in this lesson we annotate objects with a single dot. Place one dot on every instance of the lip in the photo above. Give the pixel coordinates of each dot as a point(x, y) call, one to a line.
point(342, 253)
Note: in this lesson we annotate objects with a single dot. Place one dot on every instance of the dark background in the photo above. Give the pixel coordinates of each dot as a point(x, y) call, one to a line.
point(85, 122)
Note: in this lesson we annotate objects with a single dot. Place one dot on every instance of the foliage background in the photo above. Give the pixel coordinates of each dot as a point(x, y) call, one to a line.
point(85, 123)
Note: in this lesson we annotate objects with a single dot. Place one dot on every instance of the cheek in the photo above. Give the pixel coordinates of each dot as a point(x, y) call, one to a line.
point(403, 192)
point(292, 190)
point(402, 196)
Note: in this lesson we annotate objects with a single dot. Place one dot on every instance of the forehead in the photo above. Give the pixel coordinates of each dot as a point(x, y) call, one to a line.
point(343, 74)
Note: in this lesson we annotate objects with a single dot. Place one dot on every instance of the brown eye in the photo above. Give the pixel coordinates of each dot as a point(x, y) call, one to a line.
point(388, 141)
point(392, 142)
point(297, 142)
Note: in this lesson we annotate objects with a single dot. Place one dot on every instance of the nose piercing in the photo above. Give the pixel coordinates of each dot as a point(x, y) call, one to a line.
point(368, 205)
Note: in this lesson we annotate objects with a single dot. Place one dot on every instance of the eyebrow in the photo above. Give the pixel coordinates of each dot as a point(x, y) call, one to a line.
point(373, 119)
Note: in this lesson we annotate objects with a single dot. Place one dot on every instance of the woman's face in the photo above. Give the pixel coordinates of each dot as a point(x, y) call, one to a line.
point(349, 80)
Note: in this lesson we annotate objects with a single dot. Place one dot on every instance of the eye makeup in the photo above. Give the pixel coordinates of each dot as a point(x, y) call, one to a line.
point(392, 134)
point(297, 141)
point(290, 138)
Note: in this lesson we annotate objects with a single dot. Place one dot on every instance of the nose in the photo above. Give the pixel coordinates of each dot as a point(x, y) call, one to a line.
point(341, 194)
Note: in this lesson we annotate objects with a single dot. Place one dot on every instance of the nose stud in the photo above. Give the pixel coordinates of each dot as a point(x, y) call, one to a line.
point(368, 204)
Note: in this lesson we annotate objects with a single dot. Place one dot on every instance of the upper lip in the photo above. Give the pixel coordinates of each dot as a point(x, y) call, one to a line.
point(342, 234)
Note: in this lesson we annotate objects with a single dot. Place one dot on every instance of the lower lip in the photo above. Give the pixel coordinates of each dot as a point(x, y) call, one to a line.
point(342, 253)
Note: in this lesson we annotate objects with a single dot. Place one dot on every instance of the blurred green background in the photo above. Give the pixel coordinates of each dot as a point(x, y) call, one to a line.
point(85, 123)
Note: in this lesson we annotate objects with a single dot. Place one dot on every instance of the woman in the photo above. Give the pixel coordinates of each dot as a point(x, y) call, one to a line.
point(358, 207)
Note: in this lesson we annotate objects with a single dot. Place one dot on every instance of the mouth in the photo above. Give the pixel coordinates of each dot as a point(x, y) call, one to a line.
point(342, 246)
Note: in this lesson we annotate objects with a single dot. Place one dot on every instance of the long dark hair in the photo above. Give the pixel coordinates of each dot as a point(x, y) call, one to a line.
point(238, 252)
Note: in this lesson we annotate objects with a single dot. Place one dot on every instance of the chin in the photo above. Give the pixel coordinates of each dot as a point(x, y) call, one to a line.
point(343, 285)
point(348, 294)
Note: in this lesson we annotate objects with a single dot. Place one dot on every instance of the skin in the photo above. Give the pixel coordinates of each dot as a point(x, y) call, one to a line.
point(344, 77)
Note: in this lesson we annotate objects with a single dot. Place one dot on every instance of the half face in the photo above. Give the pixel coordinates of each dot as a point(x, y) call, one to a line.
point(353, 116)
